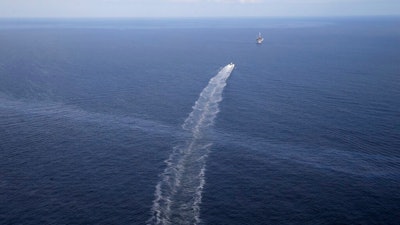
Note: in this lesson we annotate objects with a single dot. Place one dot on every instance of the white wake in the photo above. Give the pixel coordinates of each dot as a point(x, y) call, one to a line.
point(178, 193)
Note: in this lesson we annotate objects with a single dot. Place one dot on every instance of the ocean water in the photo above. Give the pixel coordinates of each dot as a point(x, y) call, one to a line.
point(142, 121)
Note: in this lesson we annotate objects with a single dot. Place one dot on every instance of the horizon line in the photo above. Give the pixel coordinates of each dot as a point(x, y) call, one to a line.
point(200, 17)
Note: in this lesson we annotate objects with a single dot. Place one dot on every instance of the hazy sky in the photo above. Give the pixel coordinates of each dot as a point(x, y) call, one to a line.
point(196, 8)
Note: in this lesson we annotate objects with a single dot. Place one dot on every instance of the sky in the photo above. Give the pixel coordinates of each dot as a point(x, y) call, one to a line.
point(196, 8)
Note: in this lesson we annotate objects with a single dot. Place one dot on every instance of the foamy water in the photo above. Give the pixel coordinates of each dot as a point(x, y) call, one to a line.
point(178, 193)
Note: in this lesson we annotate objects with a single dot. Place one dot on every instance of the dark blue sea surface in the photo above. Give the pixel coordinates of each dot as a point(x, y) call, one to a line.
point(308, 129)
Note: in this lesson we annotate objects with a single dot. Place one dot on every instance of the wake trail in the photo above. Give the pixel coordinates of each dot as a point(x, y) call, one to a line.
point(178, 193)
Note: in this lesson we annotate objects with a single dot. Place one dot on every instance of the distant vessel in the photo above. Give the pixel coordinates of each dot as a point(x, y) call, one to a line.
point(259, 39)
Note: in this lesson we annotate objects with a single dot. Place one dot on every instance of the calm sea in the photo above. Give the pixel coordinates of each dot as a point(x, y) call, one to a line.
point(102, 121)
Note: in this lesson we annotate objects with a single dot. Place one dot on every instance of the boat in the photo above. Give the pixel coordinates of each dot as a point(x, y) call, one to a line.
point(259, 39)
